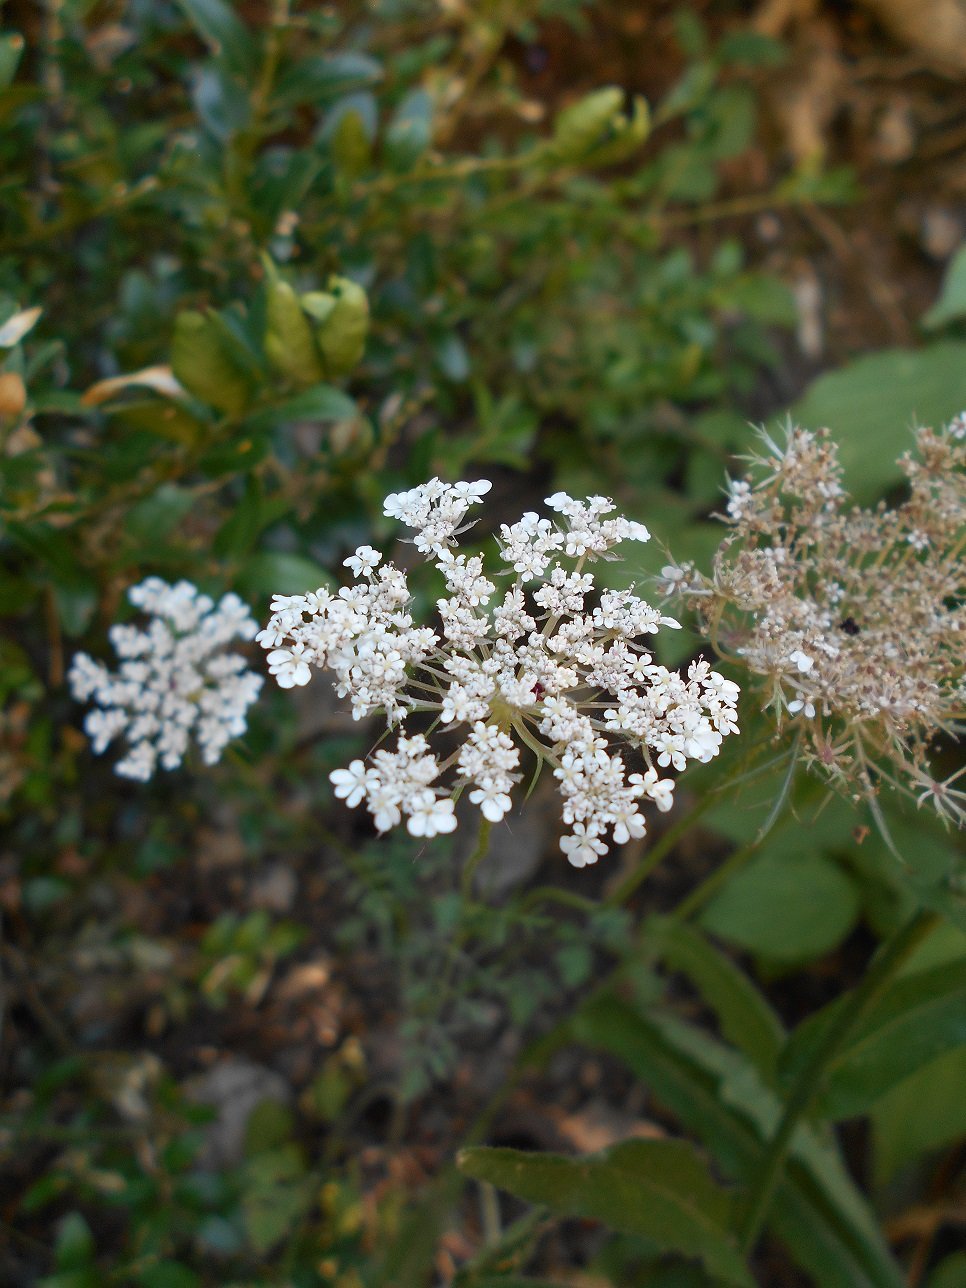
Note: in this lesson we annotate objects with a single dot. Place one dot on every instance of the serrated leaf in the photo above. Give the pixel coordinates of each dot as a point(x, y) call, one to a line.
point(917, 1019)
point(717, 1094)
point(744, 1014)
point(658, 1188)
point(951, 305)
point(870, 405)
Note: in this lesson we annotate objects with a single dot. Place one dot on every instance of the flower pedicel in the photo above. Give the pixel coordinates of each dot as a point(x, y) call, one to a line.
point(549, 663)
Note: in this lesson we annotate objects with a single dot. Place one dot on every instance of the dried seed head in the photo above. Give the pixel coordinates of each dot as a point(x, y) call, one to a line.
point(853, 618)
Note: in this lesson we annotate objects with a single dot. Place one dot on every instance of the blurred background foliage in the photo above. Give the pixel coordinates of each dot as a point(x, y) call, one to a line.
point(259, 265)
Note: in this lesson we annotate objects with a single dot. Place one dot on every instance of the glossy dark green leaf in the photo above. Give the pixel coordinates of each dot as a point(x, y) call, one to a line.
point(658, 1188)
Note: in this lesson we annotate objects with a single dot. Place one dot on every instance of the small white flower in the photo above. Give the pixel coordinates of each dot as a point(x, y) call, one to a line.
point(430, 815)
point(801, 660)
point(583, 847)
point(352, 784)
point(363, 561)
point(289, 666)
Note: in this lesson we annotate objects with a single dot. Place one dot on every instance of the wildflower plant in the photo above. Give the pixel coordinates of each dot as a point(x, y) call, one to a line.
point(532, 656)
point(853, 619)
point(176, 680)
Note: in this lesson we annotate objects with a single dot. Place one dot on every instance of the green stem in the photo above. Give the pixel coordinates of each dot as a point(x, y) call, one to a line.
point(658, 851)
point(809, 1082)
point(475, 859)
point(703, 893)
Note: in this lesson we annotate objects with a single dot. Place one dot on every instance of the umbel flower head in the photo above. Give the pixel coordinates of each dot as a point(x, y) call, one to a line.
point(854, 619)
point(176, 679)
point(528, 653)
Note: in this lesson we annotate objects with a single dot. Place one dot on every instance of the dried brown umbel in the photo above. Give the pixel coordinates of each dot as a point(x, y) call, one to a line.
point(854, 618)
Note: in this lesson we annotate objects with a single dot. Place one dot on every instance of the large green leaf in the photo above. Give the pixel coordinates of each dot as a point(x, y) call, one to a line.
point(923, 1112)
point(718, 1095)
point(871, 404)
point(658, 1188)
point(785, 907)
point(919, 1018)
point(745, 1016)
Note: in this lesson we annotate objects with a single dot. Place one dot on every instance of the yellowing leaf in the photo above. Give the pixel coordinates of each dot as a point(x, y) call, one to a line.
point(160, 379)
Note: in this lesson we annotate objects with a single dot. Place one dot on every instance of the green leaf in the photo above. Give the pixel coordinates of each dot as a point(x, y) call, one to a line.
point(319, 403)
point(269, 1125)
point(153, 518)
point(271, 573)
point(920, 1017)
point(924, 1112)
point(238, 533)
point(871, 403)
point(951, 1274)
point(951, 305)
point(658, 1188)
point(411, 129)
point(221, 102)
point(75, 1243)
point(717, 1094)
point(786, 908)
point(11, 47)
point(277, 1193)
point(168, 1274)
point(289, 344)
point(201, 362)
point(321, 76)
point(745, 1016)
point(224, 33)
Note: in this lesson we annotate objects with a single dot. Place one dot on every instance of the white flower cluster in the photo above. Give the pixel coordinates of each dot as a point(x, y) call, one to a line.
point(175, 679)
point(549, 663)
